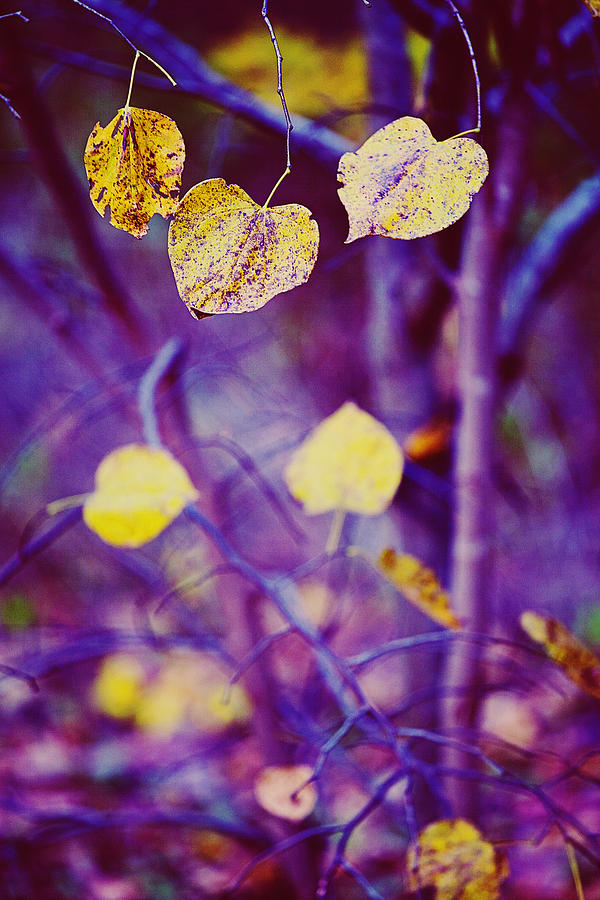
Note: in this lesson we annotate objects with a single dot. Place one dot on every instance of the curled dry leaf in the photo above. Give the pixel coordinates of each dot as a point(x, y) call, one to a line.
point(230, 255)
point(428, 440)
point(134, 168)
point(419, 585)
point(275, 790)
point(139, 491)
point(575, 659)
point(349, 462)
point(402, 183)
point(451, 856)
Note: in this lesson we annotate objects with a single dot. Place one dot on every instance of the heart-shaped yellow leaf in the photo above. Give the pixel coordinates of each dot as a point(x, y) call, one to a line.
point(275, 790)
point(451, 856)
point(349, 462)
point(230, 255)
point(575, 659)
point(419, 585)
point(402, 183)
point(134, 168)
point(139, 491)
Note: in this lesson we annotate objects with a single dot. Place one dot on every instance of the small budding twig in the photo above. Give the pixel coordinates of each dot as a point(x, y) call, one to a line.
point(284, 106)
point(463, 28)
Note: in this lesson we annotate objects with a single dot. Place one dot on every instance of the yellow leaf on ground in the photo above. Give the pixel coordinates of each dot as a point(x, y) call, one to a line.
point(575, 659)
point(419, 585)
point(593, 6)
point(452, 857)
point(275, 789)
point(349, 462)
point(139, 491)
point(402, 183)
point(134, 168)
point(230, 255)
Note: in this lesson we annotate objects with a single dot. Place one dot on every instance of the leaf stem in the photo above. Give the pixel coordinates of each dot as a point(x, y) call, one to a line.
point(279, 57)
point(575, 871)
point(135, 59)
point(158, 66)
point(335, 532)
point(463, 28)
point(280, 179)
point(58, 506)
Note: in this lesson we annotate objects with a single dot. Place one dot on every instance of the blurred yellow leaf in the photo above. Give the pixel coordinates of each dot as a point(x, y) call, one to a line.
point(139, 491)
point(452, 857)
point(428, 440)
point(574, 658)
point(402, 183)
point(593, 6)
point(224, 704)
point(230, 255)
point(118, 686)
point(419, 585)
point(162, 708)
point(134, 167)
point(349, 462)
point(275, 789)
point(319, 77)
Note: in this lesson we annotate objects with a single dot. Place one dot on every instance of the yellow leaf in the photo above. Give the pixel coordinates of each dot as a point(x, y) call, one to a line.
point(593, 6)
point(349, 462)
point(118, 686)
point(429, 440)
point(139, 491)
point(134, 168)
point(402, 183)
point(275, 789)
point(230, 255)
point(574, 658)
point(452, 857)
point(419, 585)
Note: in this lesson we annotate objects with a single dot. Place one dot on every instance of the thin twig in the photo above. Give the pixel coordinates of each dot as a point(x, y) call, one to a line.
point(279, 57)
point(137, 50)
point(463, 28)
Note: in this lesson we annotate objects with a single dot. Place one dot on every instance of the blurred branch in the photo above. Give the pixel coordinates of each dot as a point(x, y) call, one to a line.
point(488, 230)
point(37, 544)
point(39, 128)
point(530, 280)
point(162, 362)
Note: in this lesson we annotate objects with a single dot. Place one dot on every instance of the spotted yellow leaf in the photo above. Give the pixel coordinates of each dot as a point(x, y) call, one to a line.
point(134, 167)
point(230, 255)
point(575, 659)
point(593, 6)
point(402, 183)
point(452, 857)
point(139, 491)
point(275, 790)
point(349, 462)
point(419, 585)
